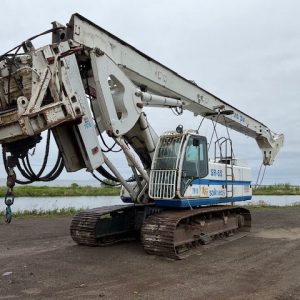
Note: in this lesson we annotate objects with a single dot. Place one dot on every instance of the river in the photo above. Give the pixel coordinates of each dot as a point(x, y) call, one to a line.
point(56, 203)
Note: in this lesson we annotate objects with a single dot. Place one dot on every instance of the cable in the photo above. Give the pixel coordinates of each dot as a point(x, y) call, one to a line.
point(200, 124)
point(30, 39)
point(256, 184)
point(103, 182)
point(214, 130)
point(109, 176)
point(177, 111)
point(109, 149)
point(45, 158)
point(263, 175)
point(24, 166)
point(106, 174)
point(57, 172)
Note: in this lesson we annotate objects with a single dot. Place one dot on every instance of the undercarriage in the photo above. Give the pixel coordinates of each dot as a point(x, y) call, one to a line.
point(164, 232)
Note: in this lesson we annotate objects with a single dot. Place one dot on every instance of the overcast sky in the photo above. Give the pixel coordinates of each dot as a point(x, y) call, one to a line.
point(245, 52)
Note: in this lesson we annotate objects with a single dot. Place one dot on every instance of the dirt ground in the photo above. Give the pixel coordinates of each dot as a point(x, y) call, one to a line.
point(46, 264)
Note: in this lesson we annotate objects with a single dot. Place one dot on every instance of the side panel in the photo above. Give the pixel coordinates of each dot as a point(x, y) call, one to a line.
point(86, 134)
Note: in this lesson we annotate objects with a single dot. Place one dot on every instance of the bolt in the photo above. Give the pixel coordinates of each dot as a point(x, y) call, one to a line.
point(98, 52)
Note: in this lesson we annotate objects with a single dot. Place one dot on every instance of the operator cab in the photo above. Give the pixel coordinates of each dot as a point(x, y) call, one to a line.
point(180, 158)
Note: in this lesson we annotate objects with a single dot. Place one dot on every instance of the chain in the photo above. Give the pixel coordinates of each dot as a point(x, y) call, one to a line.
point(9, 197)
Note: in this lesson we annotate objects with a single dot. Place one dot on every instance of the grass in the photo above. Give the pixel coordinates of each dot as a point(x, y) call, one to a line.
point(277, 189)
point(55, 191)
point(76, 190)
point(64, 212)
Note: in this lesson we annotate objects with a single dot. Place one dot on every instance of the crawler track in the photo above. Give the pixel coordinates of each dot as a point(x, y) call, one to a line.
point(175, 233)
point(103, 226)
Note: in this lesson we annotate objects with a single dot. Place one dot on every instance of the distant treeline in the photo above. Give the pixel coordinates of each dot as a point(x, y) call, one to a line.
point(55, 191)
point(277, 189)
point(76, 190)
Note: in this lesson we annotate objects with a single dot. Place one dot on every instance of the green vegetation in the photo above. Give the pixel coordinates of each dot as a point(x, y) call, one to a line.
point(277, 189)
point(64, 212)
point(76, 190)
point(55, 191)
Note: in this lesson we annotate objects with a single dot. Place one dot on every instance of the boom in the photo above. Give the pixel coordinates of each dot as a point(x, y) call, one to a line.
point(150, 75)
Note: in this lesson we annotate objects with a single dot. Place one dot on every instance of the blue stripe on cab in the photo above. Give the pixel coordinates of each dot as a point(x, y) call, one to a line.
point(220, 182)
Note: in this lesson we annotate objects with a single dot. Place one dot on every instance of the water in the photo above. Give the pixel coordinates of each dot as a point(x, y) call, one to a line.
point(57, 203)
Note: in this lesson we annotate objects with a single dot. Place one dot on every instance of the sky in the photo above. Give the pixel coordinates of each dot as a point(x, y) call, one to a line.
point(245, 52)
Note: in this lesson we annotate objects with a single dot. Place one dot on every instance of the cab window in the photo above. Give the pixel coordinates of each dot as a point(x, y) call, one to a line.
point(195, 162)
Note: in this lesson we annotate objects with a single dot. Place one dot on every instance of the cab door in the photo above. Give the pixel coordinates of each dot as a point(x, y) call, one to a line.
point(193, 166)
